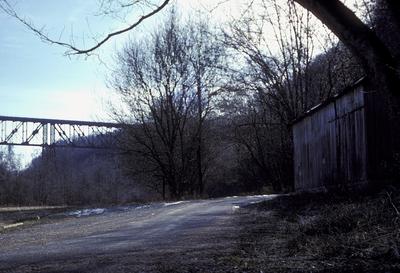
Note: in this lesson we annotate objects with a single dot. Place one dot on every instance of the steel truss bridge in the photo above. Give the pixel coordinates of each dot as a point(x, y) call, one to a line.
point(58, 133)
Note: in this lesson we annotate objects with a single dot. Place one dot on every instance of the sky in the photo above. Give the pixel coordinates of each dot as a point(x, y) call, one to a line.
point(38, 80)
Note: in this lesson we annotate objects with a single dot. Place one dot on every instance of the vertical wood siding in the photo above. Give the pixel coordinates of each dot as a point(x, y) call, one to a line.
point(330, 144)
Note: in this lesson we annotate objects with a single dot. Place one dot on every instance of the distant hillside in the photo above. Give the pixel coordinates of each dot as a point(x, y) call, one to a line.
point(73, 176)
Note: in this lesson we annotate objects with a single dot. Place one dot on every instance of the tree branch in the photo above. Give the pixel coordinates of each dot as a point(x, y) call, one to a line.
point(71, 49)
point(376, 59)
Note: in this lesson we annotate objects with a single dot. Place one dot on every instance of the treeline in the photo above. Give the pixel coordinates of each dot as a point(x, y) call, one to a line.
point(210, 109)
point(67, 176)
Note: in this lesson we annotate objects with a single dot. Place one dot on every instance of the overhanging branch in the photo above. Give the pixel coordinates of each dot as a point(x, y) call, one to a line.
point(72, 49)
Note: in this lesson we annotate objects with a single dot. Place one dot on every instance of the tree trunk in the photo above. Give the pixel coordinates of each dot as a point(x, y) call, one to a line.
point(199, 138)
point(163, 189)
point(376, 59)
point(394, 8)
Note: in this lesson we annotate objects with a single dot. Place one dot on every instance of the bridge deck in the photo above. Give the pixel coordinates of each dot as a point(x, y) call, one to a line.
point(57, 132)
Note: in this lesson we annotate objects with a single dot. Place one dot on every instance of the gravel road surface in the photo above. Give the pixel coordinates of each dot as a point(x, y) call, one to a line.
point(187, 236)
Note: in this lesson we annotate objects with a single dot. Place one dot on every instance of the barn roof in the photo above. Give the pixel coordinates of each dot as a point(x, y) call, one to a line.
point(329, 100)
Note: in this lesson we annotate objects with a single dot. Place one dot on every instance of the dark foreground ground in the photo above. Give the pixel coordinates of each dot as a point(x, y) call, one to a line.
point(341, 232)
point(304, 233)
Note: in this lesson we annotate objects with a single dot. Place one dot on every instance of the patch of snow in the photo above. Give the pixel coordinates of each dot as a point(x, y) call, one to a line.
point(12, 225)
point(235, 208)
point(86, 212)
point(229, 197)
point(174, 203)
point(264, 196)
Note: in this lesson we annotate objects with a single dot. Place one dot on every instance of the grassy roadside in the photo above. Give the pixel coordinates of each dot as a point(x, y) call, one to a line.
point(13, 217)
point(322, 233)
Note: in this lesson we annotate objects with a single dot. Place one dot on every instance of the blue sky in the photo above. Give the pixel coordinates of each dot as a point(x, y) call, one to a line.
point(37, 80)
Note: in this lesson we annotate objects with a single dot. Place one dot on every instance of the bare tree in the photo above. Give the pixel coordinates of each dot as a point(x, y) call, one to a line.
point(10, 188)
point(277, 43)
point(206, 54)
point(277, 46)
point(167, 84)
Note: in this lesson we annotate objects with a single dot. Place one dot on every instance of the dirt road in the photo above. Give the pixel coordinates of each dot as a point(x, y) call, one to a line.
point(187, 236)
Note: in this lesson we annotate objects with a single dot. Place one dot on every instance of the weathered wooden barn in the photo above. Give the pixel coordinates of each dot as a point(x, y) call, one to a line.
point(341, 142)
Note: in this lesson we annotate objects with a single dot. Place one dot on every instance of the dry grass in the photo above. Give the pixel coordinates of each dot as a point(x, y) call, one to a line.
point(28, 215)
point(323, 233)
point(31, 208)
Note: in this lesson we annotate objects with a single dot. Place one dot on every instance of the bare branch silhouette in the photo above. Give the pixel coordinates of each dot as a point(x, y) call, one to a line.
point(71, 48)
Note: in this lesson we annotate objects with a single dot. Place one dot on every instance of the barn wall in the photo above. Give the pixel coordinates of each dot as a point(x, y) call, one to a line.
point(330, 144)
